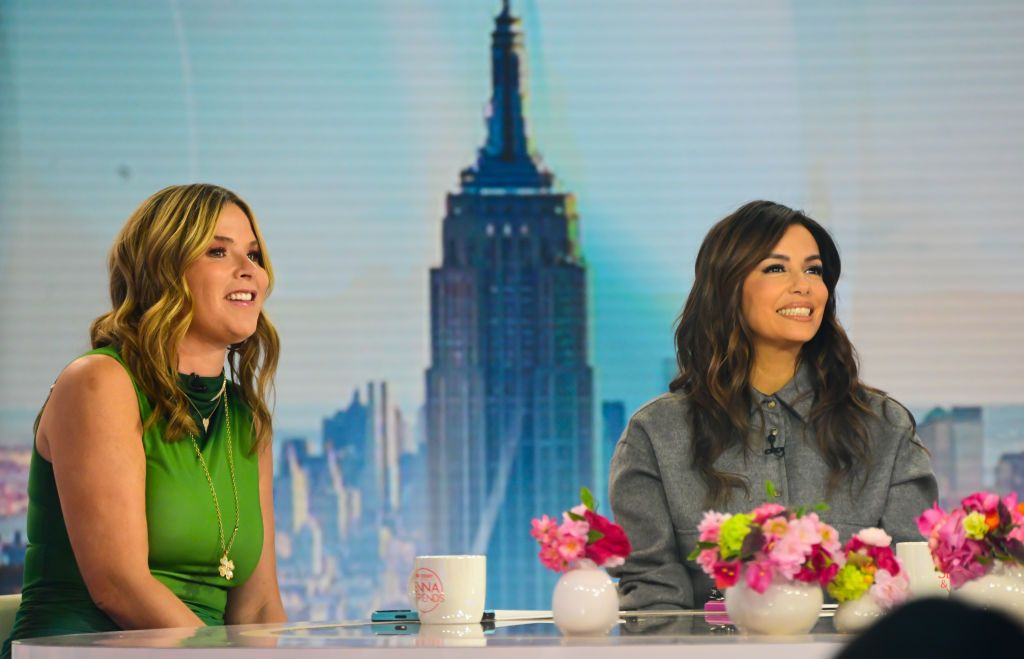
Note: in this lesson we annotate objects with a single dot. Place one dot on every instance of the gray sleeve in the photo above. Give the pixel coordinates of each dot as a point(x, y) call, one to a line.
point(912, 489)
point(653, 576)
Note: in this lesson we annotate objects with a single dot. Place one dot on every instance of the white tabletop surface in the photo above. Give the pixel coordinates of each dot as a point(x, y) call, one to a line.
point(646, 636)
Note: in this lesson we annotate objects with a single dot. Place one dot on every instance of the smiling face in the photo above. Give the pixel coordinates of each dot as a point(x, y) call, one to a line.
point(228, 283)
point(784, 296)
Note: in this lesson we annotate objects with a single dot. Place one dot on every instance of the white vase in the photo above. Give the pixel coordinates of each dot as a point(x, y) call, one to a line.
point(790, 607)
point(585, 600)
point(856, 615)
point(1002, 589)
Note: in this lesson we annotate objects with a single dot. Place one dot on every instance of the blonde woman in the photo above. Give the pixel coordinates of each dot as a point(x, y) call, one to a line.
point(150, 499)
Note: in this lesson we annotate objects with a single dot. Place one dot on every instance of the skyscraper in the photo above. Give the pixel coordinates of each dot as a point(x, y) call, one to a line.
point(509, 389)
point(956, 440)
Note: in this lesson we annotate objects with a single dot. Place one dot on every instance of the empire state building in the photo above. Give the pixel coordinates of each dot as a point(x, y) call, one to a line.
point(509, 389)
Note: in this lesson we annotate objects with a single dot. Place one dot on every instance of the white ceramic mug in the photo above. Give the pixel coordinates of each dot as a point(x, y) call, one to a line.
point(448, 589)
point(925, 579)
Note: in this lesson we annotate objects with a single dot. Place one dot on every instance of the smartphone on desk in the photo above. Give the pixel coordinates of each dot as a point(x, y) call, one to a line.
point(413, 628)
point(394, 615)
point(408, 615)
point(397, 628)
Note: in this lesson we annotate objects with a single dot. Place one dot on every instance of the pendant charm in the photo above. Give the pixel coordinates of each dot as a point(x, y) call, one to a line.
point(227, 567)
point(206, 425)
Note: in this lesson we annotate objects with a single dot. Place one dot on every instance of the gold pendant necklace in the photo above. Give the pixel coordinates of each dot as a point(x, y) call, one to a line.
point(206, 419)
point(226, 568)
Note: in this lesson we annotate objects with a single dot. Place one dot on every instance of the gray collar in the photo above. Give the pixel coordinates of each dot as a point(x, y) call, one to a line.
point(797, 396)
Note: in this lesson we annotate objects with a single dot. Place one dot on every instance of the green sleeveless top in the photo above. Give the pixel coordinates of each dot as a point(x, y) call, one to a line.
point(184, 540)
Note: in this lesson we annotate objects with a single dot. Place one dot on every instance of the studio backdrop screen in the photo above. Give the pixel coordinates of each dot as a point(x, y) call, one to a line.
point(358, 130)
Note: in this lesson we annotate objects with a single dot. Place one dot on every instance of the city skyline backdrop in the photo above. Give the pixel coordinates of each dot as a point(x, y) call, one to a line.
point(899, 126)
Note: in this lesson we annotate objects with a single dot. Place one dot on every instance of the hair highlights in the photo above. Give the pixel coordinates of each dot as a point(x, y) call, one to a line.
point(152, 305)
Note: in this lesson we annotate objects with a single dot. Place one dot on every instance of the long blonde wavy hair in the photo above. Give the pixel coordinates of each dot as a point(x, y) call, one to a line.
point(152, 305)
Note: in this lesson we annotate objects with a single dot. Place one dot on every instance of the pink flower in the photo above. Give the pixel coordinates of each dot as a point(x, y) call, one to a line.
point(582, 534)
point(1010, 501)
point(787, 547)
point(807, 529)
point(952, 551)
point(710, 526)
point(775, 526)
point(984, 502)
point(543, 529)
point(1015, 508)
point(889, 590)
point(874, 537)
point(706, 560)
point(930, 519)
point(726, 574)
point(789, 554)
point(819, 567)
point(950, 533)
point(571, 527)
point(884, 559)
point(765, 511)
point(1016, 534)
point(613, 547)
point(830, 539)
point(552, 559)
point(759, 575)
point(570, 547)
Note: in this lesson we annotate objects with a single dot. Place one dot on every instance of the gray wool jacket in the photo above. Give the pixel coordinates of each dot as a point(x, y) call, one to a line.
point(657, 496)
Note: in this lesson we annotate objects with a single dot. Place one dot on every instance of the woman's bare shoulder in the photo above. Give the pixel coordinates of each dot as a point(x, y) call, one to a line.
point(94, 392)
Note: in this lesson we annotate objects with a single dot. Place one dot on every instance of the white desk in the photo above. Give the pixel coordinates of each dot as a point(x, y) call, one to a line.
point(653, 636)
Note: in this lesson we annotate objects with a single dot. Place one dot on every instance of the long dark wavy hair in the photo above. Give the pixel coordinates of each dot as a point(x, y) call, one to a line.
point(715, 352)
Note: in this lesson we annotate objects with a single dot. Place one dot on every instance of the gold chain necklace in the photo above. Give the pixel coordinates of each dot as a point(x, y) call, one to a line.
point(226, 568)
point(206, 419)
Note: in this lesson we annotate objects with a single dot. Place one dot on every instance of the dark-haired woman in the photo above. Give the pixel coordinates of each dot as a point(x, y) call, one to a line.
point(768, 389)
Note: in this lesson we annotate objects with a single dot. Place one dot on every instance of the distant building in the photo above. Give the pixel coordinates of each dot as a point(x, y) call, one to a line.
point(955, 439)
point(1010, 474)
point(12, 565)
point(613, 422)
point(14, 551)
point(509, 389)
point(337, 510)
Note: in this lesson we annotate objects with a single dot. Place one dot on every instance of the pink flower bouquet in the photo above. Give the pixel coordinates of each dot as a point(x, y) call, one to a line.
point(582, 534)
point(768, 544)
point(969, 540)
point(868, 565)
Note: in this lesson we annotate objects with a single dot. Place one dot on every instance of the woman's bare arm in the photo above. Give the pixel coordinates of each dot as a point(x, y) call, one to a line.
point(92, 434)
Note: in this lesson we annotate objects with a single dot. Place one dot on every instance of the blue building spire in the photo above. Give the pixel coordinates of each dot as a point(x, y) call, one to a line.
point(505, 160)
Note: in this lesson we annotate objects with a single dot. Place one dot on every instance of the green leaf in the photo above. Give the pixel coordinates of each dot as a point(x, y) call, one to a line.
point(594, 536)
point(769, 490)
point(800, 512)
point(588, 499)
point(574, 517)
point(701, 546)
point(822, 507)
